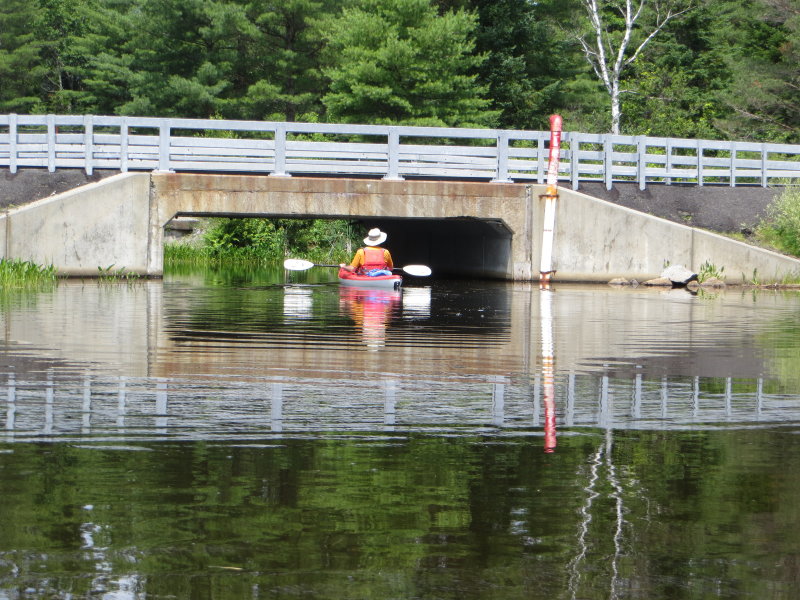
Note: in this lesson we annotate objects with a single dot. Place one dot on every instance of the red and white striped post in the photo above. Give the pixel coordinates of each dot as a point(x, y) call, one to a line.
point(550, 196)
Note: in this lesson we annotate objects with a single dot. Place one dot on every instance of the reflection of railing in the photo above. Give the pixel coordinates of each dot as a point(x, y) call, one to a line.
point(282, 149)
point(143, 407)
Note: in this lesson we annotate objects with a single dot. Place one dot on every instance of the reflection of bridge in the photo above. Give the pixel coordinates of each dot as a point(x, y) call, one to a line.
point(124, 408)
point(177, 378)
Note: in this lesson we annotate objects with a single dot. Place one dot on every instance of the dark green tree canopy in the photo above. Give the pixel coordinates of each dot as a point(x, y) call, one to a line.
point(726, 69)
point(399, 61)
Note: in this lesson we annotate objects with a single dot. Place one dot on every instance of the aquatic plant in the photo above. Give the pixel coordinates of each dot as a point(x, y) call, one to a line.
point(109, 274)
point(22, 274)
point(709, 270)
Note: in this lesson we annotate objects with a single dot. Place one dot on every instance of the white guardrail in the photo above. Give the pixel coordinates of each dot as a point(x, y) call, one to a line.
point(393, 152)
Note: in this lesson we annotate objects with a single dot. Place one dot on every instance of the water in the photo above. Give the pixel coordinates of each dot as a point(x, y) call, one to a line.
point(264, 435)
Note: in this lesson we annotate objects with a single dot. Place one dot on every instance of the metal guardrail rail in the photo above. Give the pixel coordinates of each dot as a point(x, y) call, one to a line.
point(392, 152)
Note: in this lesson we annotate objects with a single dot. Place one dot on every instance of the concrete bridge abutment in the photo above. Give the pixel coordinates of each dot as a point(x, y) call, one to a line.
point(460, 229)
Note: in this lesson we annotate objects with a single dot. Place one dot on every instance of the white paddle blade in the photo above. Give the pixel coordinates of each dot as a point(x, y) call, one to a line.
point(297, 264)
point(418, 270)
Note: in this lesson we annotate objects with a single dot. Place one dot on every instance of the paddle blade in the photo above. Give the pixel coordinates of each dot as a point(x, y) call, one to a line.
point(297, 264)
point(418, 270)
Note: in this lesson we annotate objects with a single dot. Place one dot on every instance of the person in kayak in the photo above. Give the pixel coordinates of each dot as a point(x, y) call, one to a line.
point(371, 260)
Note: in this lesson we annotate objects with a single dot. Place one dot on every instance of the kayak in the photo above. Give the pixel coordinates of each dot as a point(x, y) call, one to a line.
point(383, 282)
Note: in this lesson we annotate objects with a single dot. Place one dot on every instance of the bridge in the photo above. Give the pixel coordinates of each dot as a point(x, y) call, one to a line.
point(466, 201)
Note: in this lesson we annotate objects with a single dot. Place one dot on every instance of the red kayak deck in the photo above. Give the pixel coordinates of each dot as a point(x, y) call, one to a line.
point(384, 282)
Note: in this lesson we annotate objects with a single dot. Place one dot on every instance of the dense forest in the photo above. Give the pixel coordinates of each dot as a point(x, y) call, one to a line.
point(722, 69)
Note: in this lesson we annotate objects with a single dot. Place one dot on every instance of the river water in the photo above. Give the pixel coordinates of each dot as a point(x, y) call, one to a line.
point(263, 434)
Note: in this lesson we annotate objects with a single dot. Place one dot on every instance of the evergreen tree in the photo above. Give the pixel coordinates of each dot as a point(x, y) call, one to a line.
point(21, 71)
point(528, 63)
point(762, 41)
point(281, 66)
point(399, 61)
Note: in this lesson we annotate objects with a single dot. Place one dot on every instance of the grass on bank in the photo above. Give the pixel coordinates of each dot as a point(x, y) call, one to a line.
point(780, 228)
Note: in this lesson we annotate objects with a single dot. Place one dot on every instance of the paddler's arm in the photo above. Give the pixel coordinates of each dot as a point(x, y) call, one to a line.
point(358, 260)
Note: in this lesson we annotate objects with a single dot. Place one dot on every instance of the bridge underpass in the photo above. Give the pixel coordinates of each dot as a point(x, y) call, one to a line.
point(459, 229)
point(452, 247)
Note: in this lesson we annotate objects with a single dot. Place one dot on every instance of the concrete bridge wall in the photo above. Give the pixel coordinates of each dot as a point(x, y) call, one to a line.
point(463, 229)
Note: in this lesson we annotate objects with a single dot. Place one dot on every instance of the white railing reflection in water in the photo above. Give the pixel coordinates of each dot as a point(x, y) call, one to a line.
point(284, 149)
point(128, 407)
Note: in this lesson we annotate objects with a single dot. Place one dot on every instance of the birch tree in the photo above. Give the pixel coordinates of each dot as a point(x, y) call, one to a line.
point(619, 31)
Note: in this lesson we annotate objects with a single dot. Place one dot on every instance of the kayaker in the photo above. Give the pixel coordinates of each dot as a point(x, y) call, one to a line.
point(371, 260)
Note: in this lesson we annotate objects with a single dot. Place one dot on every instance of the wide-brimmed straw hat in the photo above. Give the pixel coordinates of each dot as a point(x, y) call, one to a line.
point(375, 237)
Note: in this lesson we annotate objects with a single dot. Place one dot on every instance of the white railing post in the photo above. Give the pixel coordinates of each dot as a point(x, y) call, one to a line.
point(700, 162)
point(280, 152)
point(764, 178)
point(88, 143)
point(123, 145)
point(574, 160)
point(641, 162)
point(733, 165)
point(12, 143)
point(501, 173)
point(541, 173)
point(608, 163)
point(164, 146)
point(393, 155)
point(668, 163)
point(51, 143)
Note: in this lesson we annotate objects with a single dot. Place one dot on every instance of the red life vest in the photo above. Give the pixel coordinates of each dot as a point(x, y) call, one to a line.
point(373, 259)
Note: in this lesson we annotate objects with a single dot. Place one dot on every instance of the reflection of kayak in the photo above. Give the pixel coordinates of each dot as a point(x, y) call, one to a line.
point(384, 282)
point(371, 310)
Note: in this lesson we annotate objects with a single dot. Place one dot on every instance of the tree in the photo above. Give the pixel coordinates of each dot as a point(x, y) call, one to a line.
point(282, 64)
point(399, 61)
point(675, 85)
point(21, 69)
point(618, 32)
point(762, 40)
point(528, 64)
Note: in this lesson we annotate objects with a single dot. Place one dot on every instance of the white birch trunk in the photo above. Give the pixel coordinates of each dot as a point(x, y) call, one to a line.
point(603, 47)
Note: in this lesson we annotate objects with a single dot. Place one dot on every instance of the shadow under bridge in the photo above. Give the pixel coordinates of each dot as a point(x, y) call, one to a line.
point(453, 247)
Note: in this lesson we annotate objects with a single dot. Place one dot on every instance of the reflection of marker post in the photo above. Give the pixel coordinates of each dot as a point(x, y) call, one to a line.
point(548, 371)
point(550, 197)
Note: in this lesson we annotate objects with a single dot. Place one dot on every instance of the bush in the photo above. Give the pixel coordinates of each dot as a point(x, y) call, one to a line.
point(781, 226)
point(269, 241)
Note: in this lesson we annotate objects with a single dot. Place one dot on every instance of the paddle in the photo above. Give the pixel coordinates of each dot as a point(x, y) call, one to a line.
point(298, 264)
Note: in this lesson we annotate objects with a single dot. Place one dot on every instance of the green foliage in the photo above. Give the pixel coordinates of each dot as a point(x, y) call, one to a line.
point(709, 270)
point(781, 226)
point(269, 240)
point(24, 274)
point(726, 70)
point(528, 66)
point(400, 62)
point(761, 40)
point(109, 273)
point(676, 83)
point(21, 71)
